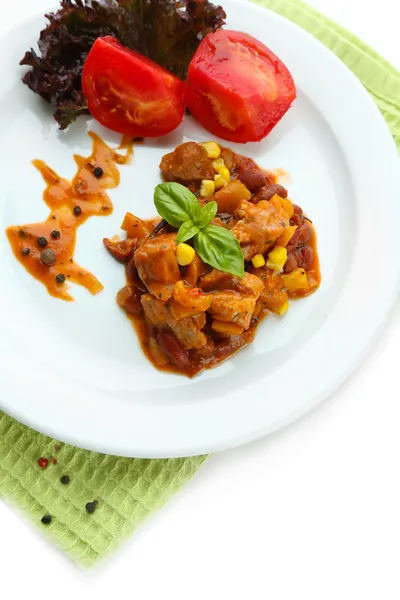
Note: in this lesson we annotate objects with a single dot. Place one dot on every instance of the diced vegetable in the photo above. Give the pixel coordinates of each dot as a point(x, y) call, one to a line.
point(286, 236)
point(207, 188)
point(229, 197)
point(129, 300)
point(194, 271)
point(227, 328)
point(277, 258)
point(282, 203)
point(188, 301)
point(157, 352)
point(217, 164)
point(228, 157)
point(213, 150)
point(258, 261)
point(224, 172)
point(191, 297)
point(134, 227)
point(179, 311)
point(296, 280)
point(283, 309)
point(184, 254)
point(220, 182)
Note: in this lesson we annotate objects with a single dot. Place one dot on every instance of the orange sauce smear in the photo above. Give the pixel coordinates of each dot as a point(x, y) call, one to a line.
point(87, 192)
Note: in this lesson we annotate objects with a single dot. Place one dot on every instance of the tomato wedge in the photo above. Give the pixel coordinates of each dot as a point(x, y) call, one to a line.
point(237, 88)
point(130, 93)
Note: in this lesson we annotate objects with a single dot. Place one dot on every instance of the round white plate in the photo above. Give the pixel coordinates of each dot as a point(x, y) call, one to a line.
point(75, 370)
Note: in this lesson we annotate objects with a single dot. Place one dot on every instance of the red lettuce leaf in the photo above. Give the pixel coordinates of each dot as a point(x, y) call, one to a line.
point(168, 31)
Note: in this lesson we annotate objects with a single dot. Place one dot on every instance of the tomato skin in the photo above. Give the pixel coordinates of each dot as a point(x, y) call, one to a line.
point(130, 93)
point(237, 88)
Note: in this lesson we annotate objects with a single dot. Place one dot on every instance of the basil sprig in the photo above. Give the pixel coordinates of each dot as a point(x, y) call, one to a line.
point(215, 245)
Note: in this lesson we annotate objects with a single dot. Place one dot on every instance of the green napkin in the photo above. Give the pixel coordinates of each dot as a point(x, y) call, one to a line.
point(124, 490)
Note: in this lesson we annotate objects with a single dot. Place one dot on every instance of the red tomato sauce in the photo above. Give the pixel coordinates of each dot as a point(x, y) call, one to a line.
point(71, 203)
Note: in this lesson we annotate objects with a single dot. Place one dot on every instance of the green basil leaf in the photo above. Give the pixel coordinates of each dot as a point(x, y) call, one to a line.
point(206, 214)
point(186, 231)
point(175, 203)
point(219, 248)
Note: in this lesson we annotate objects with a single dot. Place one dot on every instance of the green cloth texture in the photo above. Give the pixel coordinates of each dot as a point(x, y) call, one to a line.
point(128, 490)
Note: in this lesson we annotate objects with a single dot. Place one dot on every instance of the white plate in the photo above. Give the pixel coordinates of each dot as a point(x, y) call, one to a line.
point(75, 370)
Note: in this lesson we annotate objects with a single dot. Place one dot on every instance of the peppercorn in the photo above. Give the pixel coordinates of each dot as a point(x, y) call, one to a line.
point(98, 172)
point(48, 257)
point(65, 479)
point(43, 462)
point(60, 278)
point(42, 242)
point(91, 507)
point(55, 234)
point(25, 252)
point(54, 461)
point(46, 520)
point(77, 210)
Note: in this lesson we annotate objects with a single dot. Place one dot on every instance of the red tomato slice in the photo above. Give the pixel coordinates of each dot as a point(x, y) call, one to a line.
point(130, 93)
point(237, 88)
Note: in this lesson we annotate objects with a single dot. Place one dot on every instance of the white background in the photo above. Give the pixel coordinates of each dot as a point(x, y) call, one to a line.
point(309, 513)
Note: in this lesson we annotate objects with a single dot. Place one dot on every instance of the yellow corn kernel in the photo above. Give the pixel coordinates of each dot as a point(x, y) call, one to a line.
point(224, 172)
point(217, 164)
point(296, 280)
point(212, 148)
point(207, 187)
point(184, 254)
point(282, 309)
point(219, 181)
point(258, 261)
point(277, 258)
point(227, 328)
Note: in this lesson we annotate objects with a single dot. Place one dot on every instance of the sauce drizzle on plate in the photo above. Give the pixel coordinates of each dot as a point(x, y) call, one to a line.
point(46, 249)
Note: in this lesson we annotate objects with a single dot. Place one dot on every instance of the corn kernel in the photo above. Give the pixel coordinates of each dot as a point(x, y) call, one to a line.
point(283, 309)
point(207, 187)
point(184, 254)
point(224, 172)
point(258, 261)
point(296, 280)
point(219, 181)
point(277, 258)
point(213, 150)
point(217, 164)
